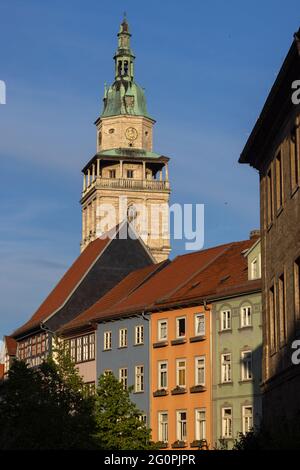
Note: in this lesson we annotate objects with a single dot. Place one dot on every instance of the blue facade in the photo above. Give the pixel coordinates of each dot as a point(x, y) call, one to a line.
point(130, 357)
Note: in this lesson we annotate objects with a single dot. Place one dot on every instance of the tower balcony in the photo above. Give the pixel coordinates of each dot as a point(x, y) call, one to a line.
point(127, 184)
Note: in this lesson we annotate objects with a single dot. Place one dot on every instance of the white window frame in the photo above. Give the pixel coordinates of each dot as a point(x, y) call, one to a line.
point(123, 338)
point(254, 268)
point(107, 340)
point(139, 378)
point(227, 325)
point(159, 323)
point(225, 434)
point(123, 377)
point(200, 428)
point(226, 368)
point(160, 371)
point(246, 320)
point(197, 316)
point(178, 369)
point(177, 327)
point(246, 371)
point(197, 359)
point(163, 426)
point(245, 418)
point(180, 425)
point(139, 334)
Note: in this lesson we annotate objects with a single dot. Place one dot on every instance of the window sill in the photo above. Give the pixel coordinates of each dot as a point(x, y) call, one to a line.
point(106, 350)
point(195, 339)
point(179, 445)
point(294, 190)
point(229, 330)
point(138, 393)
point(160, 344)
point(246, 381)
point(226, 383)
point(122, 347)
point(279, 211)
point(198, 389)
point(199, 444)
point(248, 327)
point(177, 341)
point(162, 445)
point(178, 391)
point(139, 344)
point(160, 393)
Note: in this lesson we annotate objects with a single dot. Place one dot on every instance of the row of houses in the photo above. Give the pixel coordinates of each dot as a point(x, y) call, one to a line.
point(186, 334)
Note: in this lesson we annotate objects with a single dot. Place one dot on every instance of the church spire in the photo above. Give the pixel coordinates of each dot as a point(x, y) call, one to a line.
point(124, 58)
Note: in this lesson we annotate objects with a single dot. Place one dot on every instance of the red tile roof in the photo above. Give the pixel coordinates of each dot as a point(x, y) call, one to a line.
point(67, 284)
point(11, 345)
point(199, 275)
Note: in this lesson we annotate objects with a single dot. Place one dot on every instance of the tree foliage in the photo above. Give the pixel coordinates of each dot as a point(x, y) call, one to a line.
point(119, 425)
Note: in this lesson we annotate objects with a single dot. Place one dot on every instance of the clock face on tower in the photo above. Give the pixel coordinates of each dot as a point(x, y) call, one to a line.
point(131, 133)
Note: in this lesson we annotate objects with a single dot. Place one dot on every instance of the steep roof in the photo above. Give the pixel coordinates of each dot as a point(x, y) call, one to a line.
point(116, 295)
point(204, 274)
point(11, 345)
point(67, 284)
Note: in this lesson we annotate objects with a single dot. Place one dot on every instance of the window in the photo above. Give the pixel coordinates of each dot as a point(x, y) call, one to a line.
point(181, 426)
point(226, 320)
point(181, 372)
point(89, 388)
point(79, 349)
point(226, 423)
point(200, 424)
point(123, 377)
point(143, 418)
point(294, 158)
point(112, 173)
point(270, 199)
point(247, 419)
point(129, 173)
point(226, 367)
point(297, 288)
point(272, 319)
point(85, 355)
point(107, 340)
point(139, 334)
point(73, 349)
point(123, 338)
point(246, 316)
point(92, 346)
point(139, 378)
point(163, 426)
point(200, 370)
point(162, 330)
point(279, 181)
point(180, 327)
point(162, 374)
point(282, 313)
point(246, 362)
point(107, 372)
point(199, 324)
point(255, 269)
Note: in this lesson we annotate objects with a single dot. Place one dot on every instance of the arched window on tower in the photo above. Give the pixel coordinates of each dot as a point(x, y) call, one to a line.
point(126, 67)
point(119, 67)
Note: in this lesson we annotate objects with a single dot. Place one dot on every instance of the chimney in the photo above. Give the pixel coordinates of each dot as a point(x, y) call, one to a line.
point(254, 234)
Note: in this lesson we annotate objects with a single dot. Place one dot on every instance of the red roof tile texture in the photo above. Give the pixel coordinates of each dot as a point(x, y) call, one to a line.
point(67, 284)
point(11, 345)
point(204, 274)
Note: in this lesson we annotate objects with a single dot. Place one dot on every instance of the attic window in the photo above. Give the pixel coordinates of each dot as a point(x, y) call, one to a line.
point(224, 279)
point(111, 131)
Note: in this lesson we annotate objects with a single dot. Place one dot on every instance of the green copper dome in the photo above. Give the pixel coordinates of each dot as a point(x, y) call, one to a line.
point(124, 96)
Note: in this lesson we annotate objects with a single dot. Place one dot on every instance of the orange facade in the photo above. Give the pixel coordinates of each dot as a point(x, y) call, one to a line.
point(181, 396)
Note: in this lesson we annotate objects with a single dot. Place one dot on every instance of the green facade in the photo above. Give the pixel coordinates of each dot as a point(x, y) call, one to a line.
point(239, 394)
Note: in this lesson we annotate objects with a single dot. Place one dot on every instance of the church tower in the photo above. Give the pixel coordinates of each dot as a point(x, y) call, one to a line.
point(126, 179)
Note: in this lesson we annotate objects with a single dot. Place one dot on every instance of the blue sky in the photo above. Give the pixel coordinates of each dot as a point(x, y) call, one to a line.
point(207, 67)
